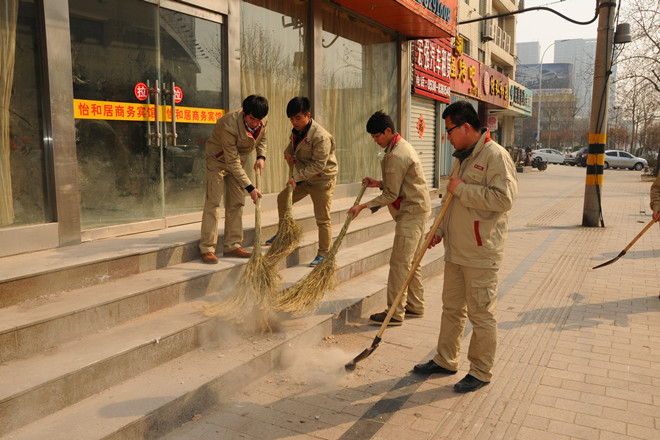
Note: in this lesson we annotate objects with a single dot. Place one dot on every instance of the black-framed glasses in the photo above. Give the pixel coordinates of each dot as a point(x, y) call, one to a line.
point(450, 129)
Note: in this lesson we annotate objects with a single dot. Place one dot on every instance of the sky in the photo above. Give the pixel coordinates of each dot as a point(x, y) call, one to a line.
point(546, 27)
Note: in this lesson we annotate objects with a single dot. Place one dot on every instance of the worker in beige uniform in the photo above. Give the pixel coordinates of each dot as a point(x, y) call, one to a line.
point(312, 151)
point(407, 197)
point(483, 181)
point(655, 198)
point(234, 137)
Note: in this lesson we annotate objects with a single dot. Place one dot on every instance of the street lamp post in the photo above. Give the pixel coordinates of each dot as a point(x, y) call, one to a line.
point(538, 119)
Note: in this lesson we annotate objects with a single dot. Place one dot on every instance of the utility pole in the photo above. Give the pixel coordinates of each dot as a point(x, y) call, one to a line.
point(592, 212)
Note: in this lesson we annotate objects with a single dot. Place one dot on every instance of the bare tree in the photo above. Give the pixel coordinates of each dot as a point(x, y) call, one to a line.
point(641, 58)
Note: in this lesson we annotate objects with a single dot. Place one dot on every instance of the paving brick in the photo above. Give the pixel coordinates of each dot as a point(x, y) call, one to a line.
point(537, 434)
point(600, 423)
point(552, 413)
point(572, 430)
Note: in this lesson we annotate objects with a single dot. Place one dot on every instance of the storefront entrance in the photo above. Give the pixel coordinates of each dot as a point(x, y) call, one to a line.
point(129, 58)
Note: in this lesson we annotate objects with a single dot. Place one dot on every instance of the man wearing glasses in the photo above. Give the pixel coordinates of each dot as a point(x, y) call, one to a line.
point(483, 181)
point(407, 197)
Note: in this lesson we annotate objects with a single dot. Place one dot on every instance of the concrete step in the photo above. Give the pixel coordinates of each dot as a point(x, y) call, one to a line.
point(52, 271)
point(39, 324)
point(152, 403)
point(91, 364)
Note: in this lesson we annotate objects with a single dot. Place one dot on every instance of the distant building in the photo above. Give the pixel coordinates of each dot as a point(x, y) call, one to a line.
point(579, 52)
point(528, 53)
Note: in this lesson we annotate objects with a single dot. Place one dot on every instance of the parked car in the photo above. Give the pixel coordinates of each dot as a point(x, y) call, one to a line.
point(623, 159)
point(581, 157)
point(571, 158)
point(548, 155)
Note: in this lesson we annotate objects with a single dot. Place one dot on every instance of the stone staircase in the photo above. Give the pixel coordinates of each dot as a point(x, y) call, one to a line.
point(105, 340)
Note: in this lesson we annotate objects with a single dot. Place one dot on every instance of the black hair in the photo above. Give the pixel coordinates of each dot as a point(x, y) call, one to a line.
point(461, 112)
point(299, 104)
point(256, 106)
point(379, 122)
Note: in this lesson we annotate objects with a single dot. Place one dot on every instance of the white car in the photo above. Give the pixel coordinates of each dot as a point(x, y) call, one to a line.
point(548, 155)
point(623, 159)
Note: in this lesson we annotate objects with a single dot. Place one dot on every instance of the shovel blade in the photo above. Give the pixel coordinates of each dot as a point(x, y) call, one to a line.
point(365, 354)
point(607, 263)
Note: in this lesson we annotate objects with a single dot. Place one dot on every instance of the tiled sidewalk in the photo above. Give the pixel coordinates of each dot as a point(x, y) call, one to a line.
point(578, 354)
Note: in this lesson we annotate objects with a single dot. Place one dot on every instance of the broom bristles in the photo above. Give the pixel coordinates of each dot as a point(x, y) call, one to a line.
point(306, 295)
point(288, 236)
point(256, 288)
point(308, 292)
point(289, 233)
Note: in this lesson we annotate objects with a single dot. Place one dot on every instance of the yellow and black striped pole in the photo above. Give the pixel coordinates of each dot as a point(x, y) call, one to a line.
point(592, 214)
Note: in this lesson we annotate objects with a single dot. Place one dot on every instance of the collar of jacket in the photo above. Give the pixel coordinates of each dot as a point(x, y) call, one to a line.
point(395, 140)
point(461, 155)
point(298, 136)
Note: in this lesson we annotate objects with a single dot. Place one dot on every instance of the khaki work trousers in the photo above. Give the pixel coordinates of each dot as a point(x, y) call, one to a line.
point(468, 292)
point(408, 238)
point(217, 181)
point(321, 195)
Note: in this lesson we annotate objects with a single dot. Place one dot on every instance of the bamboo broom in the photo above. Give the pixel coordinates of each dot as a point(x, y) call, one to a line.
point(289, 232)
point(307, 293)
point(257, 286)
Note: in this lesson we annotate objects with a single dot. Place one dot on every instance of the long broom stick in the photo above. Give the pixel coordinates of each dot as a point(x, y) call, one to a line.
point(306, 294)
point(418, 259)
point(257, 286)
point(289, 232)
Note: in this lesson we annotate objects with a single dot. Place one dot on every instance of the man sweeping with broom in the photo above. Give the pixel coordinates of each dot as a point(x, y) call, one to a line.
point(234, 137)
point(407, 197)
point(312, 151)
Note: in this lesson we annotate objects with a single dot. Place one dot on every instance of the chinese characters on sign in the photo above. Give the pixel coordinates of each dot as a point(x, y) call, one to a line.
point(495, 87)
point(124, 111)
point(141, 91)
point(431, 68)
point(465, 73)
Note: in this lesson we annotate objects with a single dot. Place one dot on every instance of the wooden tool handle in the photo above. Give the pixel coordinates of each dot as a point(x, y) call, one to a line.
point(646, 228)
point(413, 268)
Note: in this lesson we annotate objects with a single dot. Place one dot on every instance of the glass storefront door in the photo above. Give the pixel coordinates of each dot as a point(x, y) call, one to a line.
point(149, 83)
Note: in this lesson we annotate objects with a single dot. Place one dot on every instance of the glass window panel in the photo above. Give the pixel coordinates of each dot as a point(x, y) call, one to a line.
point(193, 57)
point(274, 64)
point(124, 174)
point(113, 48)
point(23, 181)
point(359, 78)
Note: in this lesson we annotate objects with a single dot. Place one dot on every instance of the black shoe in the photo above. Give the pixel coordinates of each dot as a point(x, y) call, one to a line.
point(378, 318)
point(410, 314)
point(469, 383)
point(431, 367)
point(270, 240)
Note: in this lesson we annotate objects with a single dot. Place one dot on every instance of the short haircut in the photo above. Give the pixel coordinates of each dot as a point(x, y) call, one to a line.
point(299, 104)
point(256, 106)
point(461, 112)
point(379, 122)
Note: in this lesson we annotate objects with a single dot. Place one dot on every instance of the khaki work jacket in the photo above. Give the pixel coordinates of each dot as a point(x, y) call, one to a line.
point(404, 185)
point(230, 141)
point(315, 156)
point(475, 226)
point(655, 194)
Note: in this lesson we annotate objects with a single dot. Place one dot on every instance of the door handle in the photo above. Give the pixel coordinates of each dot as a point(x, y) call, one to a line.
point(174, 134)
point(156, 92)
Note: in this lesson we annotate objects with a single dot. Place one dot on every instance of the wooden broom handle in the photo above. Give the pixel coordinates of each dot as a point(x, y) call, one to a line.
point(413, 268)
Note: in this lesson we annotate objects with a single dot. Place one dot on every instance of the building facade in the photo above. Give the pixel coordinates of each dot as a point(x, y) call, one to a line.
point(104, 125)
